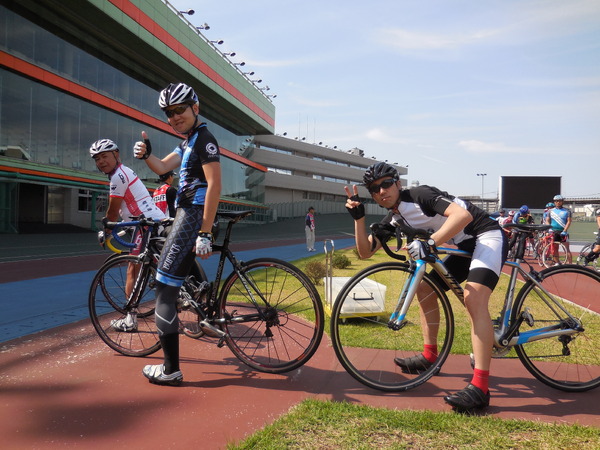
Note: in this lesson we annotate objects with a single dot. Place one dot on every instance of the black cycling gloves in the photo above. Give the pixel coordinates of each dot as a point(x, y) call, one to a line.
point(358, 212)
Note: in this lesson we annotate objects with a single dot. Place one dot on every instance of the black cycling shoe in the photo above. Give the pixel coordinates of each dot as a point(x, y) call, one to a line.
point(469, 399)
point(415, 364)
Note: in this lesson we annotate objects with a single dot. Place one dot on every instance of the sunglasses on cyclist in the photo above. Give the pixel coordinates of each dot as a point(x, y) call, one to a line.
point(177, 110)
point(374, 188)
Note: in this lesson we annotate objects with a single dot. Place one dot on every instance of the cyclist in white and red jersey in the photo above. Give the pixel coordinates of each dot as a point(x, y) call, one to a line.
point(128, 198)
point(455, 221)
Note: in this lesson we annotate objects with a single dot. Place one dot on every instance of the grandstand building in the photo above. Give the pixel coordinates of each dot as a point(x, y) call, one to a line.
point(74, 71)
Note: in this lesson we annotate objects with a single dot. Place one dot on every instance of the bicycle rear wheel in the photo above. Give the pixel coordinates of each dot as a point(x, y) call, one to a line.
point(566, 362)
point(283, 329)
point(107, 302)
point(364, 342)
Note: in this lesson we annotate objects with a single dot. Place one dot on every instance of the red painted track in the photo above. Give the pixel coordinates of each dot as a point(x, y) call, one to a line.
point(64, 387)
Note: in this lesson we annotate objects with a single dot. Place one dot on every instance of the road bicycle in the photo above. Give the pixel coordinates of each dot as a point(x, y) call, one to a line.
point(266, 310)
point(582, 260)
point(552, 324)
point(552, 252)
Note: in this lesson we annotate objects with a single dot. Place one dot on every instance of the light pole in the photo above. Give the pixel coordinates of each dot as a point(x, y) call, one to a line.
point(482, 175)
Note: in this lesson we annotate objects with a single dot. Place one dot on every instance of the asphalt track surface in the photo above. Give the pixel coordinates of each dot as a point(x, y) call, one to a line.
point(62, 387)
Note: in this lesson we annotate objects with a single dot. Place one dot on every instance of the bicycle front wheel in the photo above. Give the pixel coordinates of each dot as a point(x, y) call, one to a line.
point(569, 362)
point(365, 342)
point(126, 328)
point(272, 314)
point(554, 254)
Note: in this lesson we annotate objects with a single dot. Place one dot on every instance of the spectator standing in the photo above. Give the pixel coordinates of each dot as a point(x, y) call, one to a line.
point(164, 195)
point(309, 229)
point(559, 218)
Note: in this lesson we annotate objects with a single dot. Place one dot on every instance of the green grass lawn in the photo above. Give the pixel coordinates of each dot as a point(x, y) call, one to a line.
point(328, 424)
point(315, 424)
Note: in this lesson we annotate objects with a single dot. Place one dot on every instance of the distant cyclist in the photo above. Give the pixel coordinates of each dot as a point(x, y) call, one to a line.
point(559, 218)
point(596, 249)
point(128, 198)
point(546, 213)
point(522, 216)
point(164, 195)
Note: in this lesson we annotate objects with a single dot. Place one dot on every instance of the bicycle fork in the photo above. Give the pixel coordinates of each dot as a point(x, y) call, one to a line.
point(409, 290)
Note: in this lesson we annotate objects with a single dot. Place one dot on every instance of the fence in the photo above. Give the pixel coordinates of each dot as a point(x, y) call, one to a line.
point(290, 210)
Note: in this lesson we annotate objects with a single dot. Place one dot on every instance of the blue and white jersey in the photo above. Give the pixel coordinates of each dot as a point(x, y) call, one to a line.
point(559, 218)
point(199, 149)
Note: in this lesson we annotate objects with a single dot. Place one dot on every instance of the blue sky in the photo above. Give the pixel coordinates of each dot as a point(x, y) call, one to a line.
point(450, 88)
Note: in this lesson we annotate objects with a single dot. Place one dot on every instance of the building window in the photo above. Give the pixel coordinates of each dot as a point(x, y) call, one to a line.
point(84, 201)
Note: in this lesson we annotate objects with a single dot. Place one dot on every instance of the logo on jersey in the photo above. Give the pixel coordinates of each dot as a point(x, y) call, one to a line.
point(211, 149)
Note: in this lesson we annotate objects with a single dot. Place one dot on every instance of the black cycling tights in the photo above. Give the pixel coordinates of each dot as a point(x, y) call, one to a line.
point(174, 264)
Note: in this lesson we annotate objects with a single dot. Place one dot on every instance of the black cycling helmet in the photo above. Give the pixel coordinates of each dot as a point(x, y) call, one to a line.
point(379, 170)
point(165, 176)
point(176, 94)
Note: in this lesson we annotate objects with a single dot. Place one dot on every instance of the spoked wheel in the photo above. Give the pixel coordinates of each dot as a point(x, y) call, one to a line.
point(365, 342)
point(566, 362)
point(274, 318)
point(553, 254)
point(582, 261)
point(131, 332)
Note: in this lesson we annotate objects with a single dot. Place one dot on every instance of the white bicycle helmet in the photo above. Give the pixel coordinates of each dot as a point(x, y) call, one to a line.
point(103, 145)
point(176, 94)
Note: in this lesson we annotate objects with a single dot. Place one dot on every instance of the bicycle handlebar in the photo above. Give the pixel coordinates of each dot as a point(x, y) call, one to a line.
point(141, 222)
point(383, 233)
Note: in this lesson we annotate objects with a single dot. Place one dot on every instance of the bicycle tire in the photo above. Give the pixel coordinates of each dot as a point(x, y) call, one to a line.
point(290, 326)
point(548, 257)
point(582, 261)
point(576, 289)
point(364, 343)
point(107, 301)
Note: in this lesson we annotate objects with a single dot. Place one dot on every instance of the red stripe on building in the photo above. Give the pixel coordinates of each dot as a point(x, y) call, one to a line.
point(160, 33)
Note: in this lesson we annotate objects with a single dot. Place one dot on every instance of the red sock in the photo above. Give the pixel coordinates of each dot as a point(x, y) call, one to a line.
point(430, 352)
point(481, 379)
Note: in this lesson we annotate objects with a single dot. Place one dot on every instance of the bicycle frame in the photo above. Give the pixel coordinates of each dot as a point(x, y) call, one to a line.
point(227, 255)
point(504, 331)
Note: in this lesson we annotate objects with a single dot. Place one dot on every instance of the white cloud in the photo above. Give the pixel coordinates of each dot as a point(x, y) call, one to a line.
point(475, 146)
